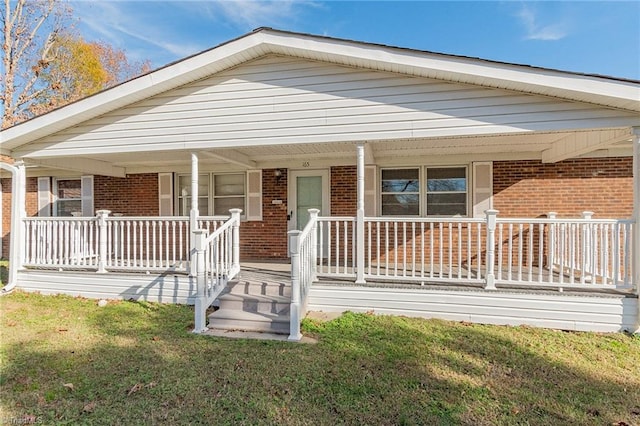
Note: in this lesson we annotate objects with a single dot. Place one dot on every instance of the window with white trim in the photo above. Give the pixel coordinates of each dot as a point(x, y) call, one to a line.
point(217, 193)
point(426, 191)
point(400, 192)
point(68, 197)
point(446, 191)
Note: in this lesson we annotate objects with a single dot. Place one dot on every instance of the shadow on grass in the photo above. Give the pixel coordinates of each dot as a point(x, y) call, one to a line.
point(137, 363)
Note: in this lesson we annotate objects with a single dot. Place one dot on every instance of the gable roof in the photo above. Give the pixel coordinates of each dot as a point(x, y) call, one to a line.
point(604, 91)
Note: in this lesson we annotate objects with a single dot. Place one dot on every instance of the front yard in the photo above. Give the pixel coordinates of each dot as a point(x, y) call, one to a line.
point(68, 361)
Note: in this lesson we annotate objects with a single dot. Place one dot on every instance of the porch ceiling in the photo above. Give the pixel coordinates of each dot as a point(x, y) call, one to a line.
point(548, 147)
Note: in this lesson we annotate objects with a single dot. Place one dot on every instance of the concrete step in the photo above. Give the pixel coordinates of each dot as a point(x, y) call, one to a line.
point(255, 303)
point(259, 288)
point(229, 319)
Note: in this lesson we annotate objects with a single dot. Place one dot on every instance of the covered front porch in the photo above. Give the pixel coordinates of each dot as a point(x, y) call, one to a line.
point(385, 170)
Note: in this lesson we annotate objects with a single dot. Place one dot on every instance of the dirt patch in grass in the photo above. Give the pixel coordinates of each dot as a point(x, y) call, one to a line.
point(67, 361)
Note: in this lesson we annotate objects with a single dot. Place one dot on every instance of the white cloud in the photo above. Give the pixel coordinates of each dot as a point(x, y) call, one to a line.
point(117, 23)
point(537, 31)
point(163, 31)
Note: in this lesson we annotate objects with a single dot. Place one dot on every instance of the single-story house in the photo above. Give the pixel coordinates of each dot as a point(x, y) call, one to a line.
point(385, 179)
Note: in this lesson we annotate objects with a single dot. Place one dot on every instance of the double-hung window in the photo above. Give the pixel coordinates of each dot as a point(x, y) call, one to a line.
point(217, 193)
point(427, 191)
point(400, 192)
point(68, 197)
point(446, 191)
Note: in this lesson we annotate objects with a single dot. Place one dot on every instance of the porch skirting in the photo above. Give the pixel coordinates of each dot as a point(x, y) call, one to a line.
point(165, 288)
point(597, 312)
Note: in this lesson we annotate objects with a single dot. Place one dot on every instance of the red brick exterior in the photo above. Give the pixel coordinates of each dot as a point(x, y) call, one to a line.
point(532, 189)
point(521, 189)
point(135, 195)
point(343, 190)
point(267, 239)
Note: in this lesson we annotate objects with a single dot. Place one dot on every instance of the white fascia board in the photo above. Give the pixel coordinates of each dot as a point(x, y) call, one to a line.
point(582, 88)
point(140, 88)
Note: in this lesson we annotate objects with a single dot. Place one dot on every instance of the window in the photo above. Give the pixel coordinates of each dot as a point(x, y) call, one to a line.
point(440, 191)
point(228, 193)
point(446, 191)
point(68, 197)
point(400, 192)
point(217, 193)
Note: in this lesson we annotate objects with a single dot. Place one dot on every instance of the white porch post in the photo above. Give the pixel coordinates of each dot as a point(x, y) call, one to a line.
point(294, 309)
point(360, 217)
point(197, 257)
point(636, 217)
point(490, 279)
point(102, 240)
point(193, 212)
point(18, 214)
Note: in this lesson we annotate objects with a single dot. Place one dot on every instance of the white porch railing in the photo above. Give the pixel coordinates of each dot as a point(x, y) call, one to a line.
point(584, 252)
point(587, 253)
point(303, 247)
point(65, 242)
point(216, 260)
point(423, 249)
point(105, 243)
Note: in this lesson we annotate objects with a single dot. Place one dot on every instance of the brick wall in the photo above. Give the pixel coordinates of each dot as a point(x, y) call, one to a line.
point(267, 239)
point(134, 195)
point(531, 188)
point(344, 186)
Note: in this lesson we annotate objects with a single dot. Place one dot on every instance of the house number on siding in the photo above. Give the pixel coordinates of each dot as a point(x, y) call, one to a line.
point(305, 164)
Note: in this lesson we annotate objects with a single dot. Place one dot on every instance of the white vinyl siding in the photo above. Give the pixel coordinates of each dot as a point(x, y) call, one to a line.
point(279, 100)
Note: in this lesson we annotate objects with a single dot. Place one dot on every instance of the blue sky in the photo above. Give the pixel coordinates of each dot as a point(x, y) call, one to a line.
point(592, 37)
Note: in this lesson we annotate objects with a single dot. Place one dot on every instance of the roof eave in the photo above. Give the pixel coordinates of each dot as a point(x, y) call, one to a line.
point(613, 93)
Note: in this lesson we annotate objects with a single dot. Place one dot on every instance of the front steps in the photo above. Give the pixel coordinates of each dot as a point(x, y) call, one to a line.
point(254, 303)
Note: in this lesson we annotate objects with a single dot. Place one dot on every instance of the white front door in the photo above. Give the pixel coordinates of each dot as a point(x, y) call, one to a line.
point(308, 189)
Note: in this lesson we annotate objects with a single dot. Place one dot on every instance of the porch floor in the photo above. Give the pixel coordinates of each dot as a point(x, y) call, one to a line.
point(280, 271)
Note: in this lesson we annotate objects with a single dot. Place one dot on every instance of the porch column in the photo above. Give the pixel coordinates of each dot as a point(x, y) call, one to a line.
point(193, 212)
point(360, 217)
point(18, 213)
point(636, 217)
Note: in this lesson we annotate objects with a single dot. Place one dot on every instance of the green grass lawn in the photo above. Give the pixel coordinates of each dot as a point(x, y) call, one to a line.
point(67, 361)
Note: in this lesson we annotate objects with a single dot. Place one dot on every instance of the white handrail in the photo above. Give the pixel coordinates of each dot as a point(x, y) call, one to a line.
point(217, 260)
point(303, 246)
